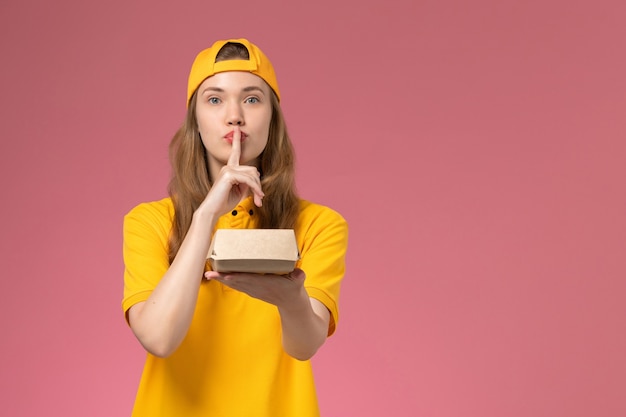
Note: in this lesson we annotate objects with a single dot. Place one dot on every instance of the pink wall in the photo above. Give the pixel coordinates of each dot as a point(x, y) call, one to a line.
point(476, 148)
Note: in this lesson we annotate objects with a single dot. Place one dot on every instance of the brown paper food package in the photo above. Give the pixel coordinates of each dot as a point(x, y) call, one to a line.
point(269, 251)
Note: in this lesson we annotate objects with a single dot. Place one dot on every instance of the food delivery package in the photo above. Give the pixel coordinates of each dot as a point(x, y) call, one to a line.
point(264, 251)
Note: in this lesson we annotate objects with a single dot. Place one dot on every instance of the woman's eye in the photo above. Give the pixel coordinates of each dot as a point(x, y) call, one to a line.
point(214, 100)
point(252, 100)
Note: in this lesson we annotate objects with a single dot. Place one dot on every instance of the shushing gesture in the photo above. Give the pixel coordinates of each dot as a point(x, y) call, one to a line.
point(234, 182)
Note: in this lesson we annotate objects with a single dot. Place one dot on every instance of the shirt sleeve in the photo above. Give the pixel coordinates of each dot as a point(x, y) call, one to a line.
point(145, 250)
point(323, 246)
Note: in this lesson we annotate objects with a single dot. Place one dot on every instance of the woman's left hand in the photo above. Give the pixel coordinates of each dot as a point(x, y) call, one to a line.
point(280, 290)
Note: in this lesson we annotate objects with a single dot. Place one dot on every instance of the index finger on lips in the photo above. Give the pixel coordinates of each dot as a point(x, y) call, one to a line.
point(235, 152)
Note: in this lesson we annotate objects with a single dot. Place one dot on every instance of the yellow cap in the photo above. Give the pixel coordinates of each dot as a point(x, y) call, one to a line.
point(205, 66)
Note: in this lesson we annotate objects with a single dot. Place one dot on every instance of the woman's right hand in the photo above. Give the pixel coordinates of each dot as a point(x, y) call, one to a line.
point(233, 183)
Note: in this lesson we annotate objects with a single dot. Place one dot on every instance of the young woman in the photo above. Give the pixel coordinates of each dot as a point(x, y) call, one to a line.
point(230, 344)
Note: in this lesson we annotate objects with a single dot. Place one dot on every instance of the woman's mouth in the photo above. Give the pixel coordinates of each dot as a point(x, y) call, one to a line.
point(229, 137)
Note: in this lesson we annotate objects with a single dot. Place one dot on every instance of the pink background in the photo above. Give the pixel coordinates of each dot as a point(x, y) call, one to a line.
point(477, 149)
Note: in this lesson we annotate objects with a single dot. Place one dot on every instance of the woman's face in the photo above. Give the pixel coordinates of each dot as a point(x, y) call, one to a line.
point(230, 99)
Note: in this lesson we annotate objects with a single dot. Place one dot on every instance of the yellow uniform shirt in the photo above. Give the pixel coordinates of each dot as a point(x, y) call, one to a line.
point(231, 362)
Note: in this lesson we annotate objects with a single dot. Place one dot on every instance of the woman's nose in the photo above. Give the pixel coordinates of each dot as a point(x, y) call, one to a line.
point(235, 116)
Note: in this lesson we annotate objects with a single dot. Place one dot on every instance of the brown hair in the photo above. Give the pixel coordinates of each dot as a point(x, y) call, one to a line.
point(191, 180)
